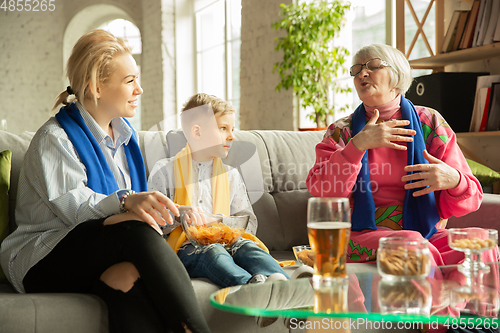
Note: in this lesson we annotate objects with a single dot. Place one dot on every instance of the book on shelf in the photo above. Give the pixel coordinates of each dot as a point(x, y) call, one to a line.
point(468, 36)
point(483, 19)
point(494, 110)
point(496, 34)
point(451, 33)
point(478, 112)
point(493, 23)
point(462, 22)
point(486, 108)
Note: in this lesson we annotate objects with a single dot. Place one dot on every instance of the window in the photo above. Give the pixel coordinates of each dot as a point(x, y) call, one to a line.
point(218, 36)
point(127, 30)
point(420, 49)
point(367, 24)
point(368, 27)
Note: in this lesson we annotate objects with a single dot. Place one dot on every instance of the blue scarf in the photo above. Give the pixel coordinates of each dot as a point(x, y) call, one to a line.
point(99, 176)
point(419, 213)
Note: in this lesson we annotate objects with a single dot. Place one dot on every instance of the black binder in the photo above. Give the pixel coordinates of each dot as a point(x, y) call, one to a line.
point(451, 94)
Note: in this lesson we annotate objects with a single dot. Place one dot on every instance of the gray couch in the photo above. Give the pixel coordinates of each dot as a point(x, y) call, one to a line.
point(274, 165)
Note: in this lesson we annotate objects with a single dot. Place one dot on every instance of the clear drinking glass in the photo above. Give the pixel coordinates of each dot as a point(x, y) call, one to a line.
point(329, 226)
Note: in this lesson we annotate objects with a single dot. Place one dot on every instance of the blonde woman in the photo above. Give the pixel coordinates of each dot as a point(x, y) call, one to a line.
point(83, 166)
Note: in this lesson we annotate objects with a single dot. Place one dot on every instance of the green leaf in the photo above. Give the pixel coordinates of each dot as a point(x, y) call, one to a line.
point(310, 63)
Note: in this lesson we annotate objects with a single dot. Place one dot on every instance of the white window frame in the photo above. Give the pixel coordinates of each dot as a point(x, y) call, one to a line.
point(199, 6)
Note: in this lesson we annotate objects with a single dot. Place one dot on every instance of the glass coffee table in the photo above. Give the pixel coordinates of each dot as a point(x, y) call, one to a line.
point(441, 298)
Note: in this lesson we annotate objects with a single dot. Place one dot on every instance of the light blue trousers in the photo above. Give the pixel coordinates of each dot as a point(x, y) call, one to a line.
point(231, 267)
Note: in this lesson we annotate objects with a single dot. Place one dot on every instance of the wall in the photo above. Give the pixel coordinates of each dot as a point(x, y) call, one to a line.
point(261, 107)
point(32, 61)
point(30, 66)
point(158, 61)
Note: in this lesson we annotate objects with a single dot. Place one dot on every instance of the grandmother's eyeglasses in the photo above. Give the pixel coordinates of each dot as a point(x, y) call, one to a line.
point(371, 65)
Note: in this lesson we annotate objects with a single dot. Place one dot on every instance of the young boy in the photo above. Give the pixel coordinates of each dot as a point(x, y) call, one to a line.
point(197, 177)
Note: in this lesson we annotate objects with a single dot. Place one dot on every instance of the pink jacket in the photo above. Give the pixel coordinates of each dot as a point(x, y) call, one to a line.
point(338, 163)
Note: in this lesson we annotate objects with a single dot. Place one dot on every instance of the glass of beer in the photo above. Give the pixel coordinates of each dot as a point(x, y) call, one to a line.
point(331, 299)
point(329, 226)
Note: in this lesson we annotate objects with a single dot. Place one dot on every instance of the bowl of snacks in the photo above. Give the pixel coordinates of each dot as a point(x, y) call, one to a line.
point(473, 242)
point(304, 255)
point(401, 258)
point(204, 229)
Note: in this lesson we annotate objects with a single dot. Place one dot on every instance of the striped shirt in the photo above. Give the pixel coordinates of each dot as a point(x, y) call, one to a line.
point(53, 196)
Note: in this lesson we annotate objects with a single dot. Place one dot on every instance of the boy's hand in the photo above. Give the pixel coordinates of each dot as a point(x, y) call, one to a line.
point(193, 215)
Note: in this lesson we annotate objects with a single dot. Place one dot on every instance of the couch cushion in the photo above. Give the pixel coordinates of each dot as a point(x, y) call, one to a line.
point(292, 211)
point(290, 157)
point(485, 175)
point(48, 313)
point(5, 166)
point(17, 144)
point(269, 229)
point(153, 147)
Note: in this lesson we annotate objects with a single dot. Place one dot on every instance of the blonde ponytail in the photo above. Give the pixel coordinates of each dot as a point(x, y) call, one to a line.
point(64, 98)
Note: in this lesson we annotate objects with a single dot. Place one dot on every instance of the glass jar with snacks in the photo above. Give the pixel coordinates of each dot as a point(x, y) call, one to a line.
point(400, 258)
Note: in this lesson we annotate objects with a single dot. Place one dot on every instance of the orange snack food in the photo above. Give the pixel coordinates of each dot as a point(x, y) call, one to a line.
point(215, 233)
point(307, 257)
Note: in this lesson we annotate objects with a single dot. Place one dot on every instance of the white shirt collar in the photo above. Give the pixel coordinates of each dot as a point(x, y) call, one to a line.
point(119, 125)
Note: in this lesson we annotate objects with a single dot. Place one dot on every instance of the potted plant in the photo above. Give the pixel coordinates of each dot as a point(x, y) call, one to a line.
point(311, 63)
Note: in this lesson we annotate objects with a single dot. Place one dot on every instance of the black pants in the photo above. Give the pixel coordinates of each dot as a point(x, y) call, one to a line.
point(159, 301)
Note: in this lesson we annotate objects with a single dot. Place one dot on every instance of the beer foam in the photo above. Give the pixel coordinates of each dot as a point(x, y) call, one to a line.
point(329, 225)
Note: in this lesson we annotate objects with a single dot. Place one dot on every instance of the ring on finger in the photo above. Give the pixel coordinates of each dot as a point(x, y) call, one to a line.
point(150, 209)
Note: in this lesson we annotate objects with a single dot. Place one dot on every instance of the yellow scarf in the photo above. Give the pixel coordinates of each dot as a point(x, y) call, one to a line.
point(183, 172)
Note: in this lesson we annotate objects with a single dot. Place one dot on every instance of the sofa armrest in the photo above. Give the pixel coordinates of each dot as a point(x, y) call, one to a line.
point(487, 216)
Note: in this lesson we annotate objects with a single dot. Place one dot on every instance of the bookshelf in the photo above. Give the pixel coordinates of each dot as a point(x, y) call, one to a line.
point(481, 147)
point(439, 61)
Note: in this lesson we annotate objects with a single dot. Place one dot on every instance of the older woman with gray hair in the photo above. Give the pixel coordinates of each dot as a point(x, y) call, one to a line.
point(399, 164)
